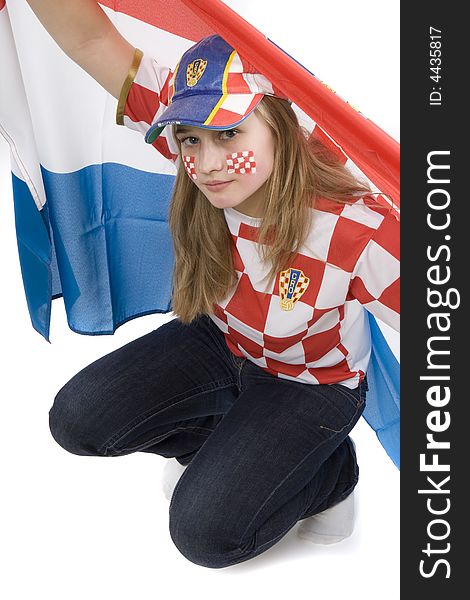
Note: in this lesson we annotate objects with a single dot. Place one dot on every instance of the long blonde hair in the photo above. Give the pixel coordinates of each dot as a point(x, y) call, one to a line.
point(303, 170)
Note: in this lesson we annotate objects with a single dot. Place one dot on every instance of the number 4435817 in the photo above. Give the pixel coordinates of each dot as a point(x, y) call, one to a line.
point(435, 53)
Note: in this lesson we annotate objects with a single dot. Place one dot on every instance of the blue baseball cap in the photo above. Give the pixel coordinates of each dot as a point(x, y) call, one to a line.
point(212, 87)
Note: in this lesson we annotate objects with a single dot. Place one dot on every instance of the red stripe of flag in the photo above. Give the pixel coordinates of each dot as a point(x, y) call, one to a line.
point(170, 15)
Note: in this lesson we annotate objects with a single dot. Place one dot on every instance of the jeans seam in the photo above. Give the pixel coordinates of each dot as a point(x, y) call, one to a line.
point(282, 482)
point(359, 407)
point(242, 364)
point(139, 419)
point(357, 401)
point(236, 553)
point(159, 438)
point(336, 433)
point(342, 497)
point(278, 537)
point(239, 363)
point(215, 333)
point(335, 430)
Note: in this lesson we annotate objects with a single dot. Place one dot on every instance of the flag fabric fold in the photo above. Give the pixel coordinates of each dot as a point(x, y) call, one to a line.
point(91, 198)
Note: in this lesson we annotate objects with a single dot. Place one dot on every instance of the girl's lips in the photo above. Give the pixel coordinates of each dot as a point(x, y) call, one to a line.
point(215, 187)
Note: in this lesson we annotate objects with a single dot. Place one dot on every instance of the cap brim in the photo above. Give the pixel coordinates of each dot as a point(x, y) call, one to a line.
point(181, 112)
point(153, 133)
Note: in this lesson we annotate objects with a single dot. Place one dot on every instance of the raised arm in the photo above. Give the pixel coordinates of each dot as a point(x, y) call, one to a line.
point(83, 31)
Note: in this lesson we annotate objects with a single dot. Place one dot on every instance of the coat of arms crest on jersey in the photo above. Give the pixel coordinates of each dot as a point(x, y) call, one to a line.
point(292, 285)
point(194, 71)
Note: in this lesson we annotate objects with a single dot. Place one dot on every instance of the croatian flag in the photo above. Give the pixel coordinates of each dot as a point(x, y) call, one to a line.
point(91, 198)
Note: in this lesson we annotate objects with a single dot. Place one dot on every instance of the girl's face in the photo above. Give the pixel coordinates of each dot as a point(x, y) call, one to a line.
point(230, 167)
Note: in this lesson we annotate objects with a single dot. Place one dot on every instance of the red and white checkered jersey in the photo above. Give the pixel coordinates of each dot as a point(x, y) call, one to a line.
point(349, 262)
point(310, 325)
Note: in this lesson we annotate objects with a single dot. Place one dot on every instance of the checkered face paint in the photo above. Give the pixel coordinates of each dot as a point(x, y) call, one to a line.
point(241, 163)
point(189, 166)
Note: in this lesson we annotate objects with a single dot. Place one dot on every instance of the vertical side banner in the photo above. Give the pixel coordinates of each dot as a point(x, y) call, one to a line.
point(434, 240)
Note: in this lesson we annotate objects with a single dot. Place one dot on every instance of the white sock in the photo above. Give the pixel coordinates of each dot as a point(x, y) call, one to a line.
point(172, 471)
point(331, 525)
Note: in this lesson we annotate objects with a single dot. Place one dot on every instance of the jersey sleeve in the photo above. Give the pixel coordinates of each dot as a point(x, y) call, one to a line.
point(143, 98)
point(375, 280)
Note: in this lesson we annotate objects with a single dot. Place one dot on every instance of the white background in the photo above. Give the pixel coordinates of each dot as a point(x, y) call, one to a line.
point(87, 527)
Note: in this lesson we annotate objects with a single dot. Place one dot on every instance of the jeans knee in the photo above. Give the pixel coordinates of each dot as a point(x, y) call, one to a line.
point(70, 425)
point(203, 538)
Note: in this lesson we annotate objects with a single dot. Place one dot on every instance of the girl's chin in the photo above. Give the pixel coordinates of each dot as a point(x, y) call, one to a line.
point(220, 203)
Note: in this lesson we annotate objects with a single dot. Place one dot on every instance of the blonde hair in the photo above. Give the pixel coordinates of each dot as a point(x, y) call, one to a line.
point(303, 170)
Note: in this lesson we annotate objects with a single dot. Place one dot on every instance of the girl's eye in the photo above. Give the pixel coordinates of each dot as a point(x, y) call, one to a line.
point(190, 137)
point(229, 132)
point(191, 140)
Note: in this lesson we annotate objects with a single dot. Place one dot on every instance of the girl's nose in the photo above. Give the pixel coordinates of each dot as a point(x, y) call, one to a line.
point(211, 158)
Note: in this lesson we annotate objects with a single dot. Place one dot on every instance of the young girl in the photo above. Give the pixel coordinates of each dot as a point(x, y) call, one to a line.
point(257, 382)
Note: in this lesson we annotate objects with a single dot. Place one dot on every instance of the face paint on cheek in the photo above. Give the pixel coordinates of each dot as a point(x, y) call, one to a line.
point(189, 162)
point(241, 163)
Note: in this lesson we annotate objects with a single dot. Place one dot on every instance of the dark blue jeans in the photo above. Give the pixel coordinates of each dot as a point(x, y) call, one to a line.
point(263, 452)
